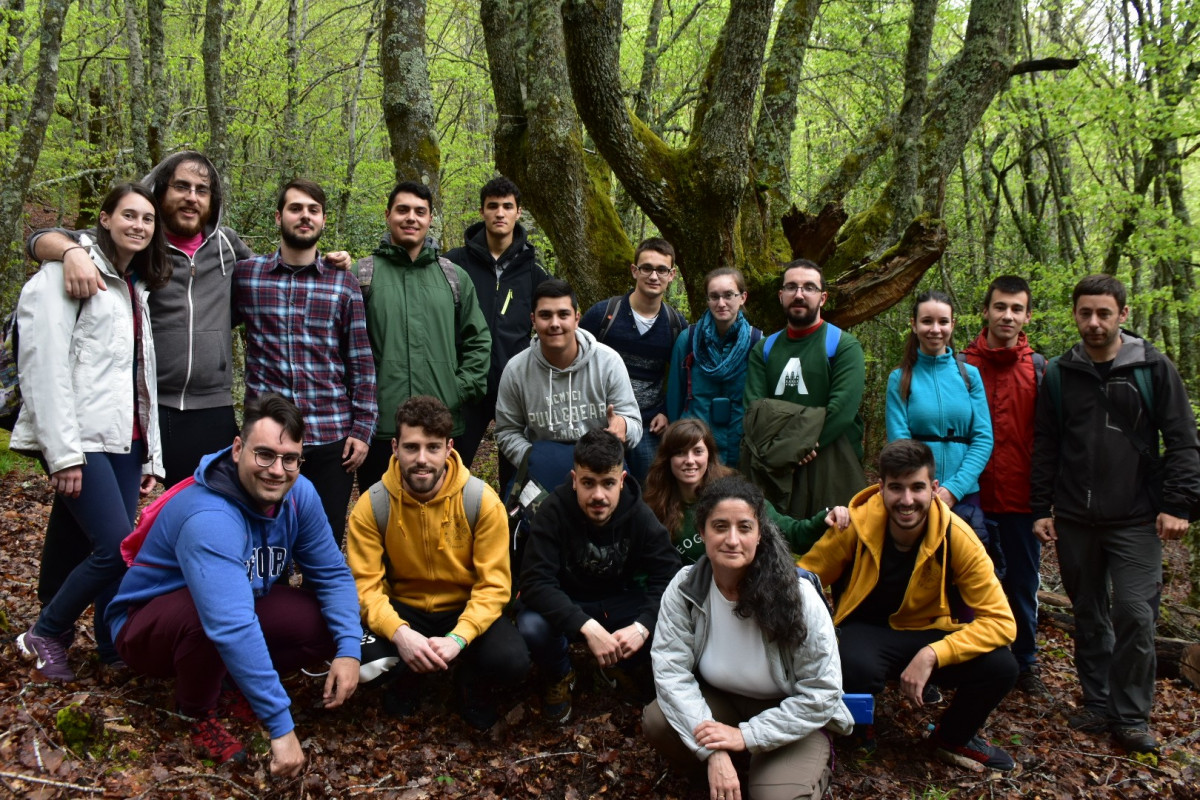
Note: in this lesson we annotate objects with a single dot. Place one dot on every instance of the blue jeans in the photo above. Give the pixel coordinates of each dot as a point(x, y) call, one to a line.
point(548, 646)
point(105, 511)
point(1023, 559)
point(641, 457)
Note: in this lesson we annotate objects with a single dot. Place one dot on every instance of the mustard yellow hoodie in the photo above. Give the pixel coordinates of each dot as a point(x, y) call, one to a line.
point(433, 561)
point(926, 602)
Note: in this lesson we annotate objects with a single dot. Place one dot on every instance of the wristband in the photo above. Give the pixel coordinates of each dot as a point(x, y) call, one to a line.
point(458, 640)
point(73, 247)
point(642, 630)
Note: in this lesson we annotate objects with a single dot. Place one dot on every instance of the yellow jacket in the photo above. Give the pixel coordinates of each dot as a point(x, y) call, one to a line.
point(432, 560)
point(926, 602)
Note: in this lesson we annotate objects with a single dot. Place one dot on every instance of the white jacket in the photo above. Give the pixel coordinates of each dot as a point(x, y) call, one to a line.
point(813, 672)
point(75, 364)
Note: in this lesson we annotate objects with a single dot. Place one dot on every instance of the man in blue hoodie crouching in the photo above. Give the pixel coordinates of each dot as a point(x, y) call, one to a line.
point(207, 595)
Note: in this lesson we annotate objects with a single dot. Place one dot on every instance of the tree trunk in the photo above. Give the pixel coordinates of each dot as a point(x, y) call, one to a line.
point(157, 132)
point(539, 145)
point(351, 122)
point(290, 135)
point(19, 171)
point(407, 98)
point(138, 118)
point(218, 150)
point(10, 58)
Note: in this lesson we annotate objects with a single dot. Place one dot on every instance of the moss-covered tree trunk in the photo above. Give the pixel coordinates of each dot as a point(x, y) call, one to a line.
point(218, 149)
point(540, 146)
point(18, 173)
point(407, 97)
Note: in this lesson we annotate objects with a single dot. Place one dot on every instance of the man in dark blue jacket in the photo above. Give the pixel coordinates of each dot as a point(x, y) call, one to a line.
point(505, 269)
point(207, 595)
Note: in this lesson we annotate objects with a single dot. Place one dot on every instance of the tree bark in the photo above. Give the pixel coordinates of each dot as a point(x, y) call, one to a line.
point(291, 128)
point(10, 58)
point(19, 171)
point(539, 145)
point(407, 97)
point(138, 117)
point(218, 150)
point(157, 132)
point(351, 123)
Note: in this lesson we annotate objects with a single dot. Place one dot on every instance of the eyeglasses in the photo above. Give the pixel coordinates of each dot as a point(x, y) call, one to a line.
point(186, 188)
point(716, 297)
point(266, 459)
point(808, 288)
point(646, 269)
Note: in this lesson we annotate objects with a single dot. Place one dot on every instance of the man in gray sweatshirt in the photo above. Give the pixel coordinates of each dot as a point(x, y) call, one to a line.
point(565, 385)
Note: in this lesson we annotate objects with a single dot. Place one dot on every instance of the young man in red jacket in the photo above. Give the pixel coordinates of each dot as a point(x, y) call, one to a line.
point(1011, 373)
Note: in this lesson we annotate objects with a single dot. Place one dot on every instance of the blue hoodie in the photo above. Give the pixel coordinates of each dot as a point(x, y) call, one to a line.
point(212, 539)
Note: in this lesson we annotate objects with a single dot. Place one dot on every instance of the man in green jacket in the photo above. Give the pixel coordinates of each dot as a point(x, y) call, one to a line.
point(428, 334)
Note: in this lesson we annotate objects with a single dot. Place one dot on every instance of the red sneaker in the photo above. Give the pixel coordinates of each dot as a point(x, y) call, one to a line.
point(234, 705)
point(212, 740)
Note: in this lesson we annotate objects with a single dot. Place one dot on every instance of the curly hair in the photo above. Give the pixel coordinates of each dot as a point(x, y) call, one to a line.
point(429, 413)
point(662, 490)
point(769, 592)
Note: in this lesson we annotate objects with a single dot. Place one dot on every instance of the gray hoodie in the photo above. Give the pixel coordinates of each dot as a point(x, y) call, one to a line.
point(537, 401)
point(191, 314)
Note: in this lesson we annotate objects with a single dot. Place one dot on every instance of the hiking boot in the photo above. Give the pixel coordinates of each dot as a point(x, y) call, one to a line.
point(1088, 720)
point(1030, 682)
point(1136, 740)
point(476, 710)
point(233, 705)
point(556, 702)
point(212, 740)
point(50, 652)
point(975, 751)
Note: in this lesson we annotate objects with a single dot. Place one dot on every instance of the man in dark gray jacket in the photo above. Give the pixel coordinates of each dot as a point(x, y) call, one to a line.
point(1102, 492)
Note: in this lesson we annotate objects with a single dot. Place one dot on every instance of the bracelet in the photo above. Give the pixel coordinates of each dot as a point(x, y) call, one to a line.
point(458, 640)
point(74, 247)
point(642, 630)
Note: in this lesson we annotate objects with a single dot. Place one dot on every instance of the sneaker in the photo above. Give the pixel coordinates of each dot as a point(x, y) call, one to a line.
point(212, 740)
point(51, 655)
point(1030, 682)
point(232, 704)
point(556, 702)
point(1136, 740)
point(931, 695)
point(1088, 720)
point(976, 751)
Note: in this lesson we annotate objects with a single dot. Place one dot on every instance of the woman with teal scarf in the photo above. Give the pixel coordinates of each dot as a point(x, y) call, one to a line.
point(708, 364)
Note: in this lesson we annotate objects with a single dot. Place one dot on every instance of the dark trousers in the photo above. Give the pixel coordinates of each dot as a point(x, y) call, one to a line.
point(873, 654)
point(1023, 558)
point(379, 456)
point(164, 639)
point(478, 416)
point(1114, 633)
point(323, 466)
point(496, 659)
point(548, 645)
point(103, 513)
point(188, 436)
point(63, 549)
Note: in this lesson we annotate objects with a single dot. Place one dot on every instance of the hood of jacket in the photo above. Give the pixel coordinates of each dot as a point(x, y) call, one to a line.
point(218, 473)
point(999, 357)
point(216, 207)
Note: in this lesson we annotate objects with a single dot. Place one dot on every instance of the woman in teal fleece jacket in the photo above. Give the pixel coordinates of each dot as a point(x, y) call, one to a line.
point(687, 460)
point(934, 398)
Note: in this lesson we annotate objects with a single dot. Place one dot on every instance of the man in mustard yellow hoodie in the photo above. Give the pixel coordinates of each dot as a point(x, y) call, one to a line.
point(902, 571)
point(432, 570)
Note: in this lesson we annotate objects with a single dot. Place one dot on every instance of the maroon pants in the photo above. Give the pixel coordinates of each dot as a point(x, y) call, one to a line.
point(164, 639)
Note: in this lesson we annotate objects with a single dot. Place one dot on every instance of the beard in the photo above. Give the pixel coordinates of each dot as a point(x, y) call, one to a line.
point(300, 241)
point(803, 317)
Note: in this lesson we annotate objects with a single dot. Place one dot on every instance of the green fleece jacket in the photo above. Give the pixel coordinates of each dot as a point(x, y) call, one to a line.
point(422, 344)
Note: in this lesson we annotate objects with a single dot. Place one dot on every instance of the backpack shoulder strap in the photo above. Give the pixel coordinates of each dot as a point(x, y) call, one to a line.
point(961, 360)
point(610, 311)
point(1053, 383)
point(131, 545)
point(770, 342)
point(364, 270)
point(1145, 386)
point(1039, 368)
point(473, 500)
point(755, 335)
point(833, 335)
point(450, 270)
point(380, 506)
point(675, 320)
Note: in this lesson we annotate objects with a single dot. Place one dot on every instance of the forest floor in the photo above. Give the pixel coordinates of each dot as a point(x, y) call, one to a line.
point(112, 734)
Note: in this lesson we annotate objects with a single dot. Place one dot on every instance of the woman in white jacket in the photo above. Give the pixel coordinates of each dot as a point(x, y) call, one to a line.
point(745, 658)
point(89, 406)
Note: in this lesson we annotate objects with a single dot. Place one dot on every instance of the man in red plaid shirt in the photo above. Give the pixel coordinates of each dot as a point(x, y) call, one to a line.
point(306, 339)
